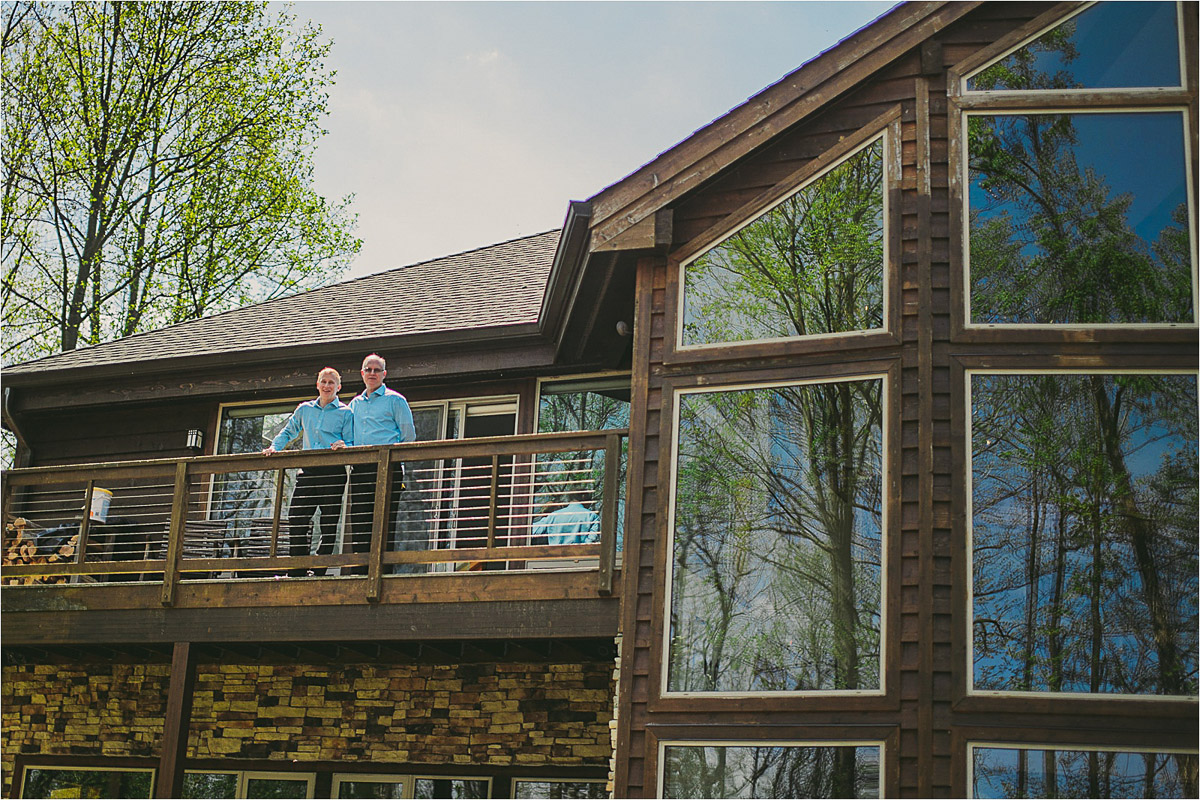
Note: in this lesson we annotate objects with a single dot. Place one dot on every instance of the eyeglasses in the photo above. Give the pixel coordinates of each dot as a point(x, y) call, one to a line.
point(373, 369)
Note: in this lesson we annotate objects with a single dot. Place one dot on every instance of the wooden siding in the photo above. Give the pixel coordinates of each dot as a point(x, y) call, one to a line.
point(926, 718)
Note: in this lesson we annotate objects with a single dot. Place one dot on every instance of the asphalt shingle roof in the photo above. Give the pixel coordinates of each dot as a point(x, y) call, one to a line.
point(499, 285)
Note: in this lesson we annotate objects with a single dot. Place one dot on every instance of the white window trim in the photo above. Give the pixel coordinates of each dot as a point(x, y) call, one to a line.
point(673, 489)
point(245, 776)
point(1041, 746)
point(969, 482)
point(351, 777)
point(663, 744)
point(964, 178)
point(527, 779)
point(883, 137)
point(70, 768)
point(1179, 33)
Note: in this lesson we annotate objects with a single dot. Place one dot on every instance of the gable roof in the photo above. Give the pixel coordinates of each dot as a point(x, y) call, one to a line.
point(488, 289)
point(796, 96)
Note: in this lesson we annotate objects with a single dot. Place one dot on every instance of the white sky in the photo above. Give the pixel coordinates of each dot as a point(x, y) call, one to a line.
point(461, 124)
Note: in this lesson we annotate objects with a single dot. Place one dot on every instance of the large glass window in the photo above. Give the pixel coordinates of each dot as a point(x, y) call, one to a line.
point(1084, 533)
point(1066, 228)
point(1007, 771)
point(812, 265)
point(1106, 46)
point(718, 771)
point(776, 584)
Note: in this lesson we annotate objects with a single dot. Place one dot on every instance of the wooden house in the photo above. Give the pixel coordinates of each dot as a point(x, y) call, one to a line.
point(882, 388)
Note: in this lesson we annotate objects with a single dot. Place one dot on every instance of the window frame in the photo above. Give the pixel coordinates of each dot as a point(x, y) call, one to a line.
point(527, 779)
point(24, 770)
point(973, 744)
point(1054, 109)
point(885, 128)
point(660, 745)
point(1023, 36)
point(961, 101)
point(887, 372)
point(968, 699)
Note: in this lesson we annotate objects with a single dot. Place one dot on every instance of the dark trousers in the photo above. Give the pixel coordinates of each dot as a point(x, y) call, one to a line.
point(316, 488)
point(362, 508)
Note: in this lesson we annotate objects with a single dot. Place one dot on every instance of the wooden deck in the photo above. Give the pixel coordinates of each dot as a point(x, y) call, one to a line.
point(173, 563)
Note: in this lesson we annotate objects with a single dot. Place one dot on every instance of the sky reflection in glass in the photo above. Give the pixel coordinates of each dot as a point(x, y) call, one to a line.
point(1084, 533)
point(1012, 772)
point(1115, 45)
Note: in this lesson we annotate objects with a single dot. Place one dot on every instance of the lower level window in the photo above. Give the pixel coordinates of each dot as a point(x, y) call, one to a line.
point(405, 786)
point(1007, 771)
point(97, 782)
point(248, 784)
point(558, 789)
point(770, 770)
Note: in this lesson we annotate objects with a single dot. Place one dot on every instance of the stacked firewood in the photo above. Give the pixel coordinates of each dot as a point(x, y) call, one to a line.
point(21, 548)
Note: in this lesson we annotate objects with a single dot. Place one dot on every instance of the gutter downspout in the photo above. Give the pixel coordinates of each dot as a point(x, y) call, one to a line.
point(23, 455)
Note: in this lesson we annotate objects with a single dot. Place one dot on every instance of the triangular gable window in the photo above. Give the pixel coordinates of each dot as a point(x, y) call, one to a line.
point(1105, 46)
point(811, 265)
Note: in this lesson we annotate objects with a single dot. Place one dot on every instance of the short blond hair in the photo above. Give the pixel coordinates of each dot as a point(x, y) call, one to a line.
point(337, 376)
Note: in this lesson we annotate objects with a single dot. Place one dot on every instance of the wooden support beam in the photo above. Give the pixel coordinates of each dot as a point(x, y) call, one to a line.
point(175, 534)
point(169, 781)
point(655, 232)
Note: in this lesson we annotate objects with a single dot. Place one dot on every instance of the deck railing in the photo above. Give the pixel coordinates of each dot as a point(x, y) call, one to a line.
point(464, 505)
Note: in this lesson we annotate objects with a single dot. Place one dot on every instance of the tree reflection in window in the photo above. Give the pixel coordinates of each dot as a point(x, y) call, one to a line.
point(770, 771)
point(1019, 772)
point(1066, 228)
point(776, 581)
point(1107, 46)
point(1084, 533)
point(811, 265)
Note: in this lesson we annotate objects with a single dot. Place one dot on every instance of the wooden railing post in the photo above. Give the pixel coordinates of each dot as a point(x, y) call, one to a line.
point(379, 524)
point(175, 533)
point(608, 520)
point(85, 524)
point(276, 512)
point(491, 531)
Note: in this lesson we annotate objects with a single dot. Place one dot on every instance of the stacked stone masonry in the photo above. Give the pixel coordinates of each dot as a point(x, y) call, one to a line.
point(482, 714)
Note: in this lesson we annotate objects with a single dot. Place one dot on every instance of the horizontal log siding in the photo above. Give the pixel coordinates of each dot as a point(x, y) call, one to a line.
point(500, 715)
point(926, 720)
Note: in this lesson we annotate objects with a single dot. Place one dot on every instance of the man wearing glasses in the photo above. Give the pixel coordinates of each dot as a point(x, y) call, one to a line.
point(381, 416)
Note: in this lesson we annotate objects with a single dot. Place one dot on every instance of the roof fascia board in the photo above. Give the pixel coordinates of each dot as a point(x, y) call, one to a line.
point(566, 272)
point(754, 123)
point(509, 337)
point(272, 380)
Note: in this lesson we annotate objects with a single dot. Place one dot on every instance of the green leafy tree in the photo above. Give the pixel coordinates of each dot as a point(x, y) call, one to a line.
point(158, 167)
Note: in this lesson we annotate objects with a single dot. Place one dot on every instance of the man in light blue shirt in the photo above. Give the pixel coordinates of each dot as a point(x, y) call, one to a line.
point(572, 523)
point(381, 416)
point(324, 423)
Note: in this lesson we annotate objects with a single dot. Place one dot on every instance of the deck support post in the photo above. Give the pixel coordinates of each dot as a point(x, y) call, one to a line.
point(169, 780)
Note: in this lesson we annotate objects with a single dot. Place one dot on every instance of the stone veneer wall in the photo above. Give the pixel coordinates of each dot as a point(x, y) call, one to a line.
point(523, 714)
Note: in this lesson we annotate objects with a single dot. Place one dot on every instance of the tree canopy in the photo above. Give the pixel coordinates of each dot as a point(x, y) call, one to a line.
point(158, 167)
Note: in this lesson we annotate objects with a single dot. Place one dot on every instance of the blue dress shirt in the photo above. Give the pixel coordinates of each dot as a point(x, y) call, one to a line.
point(382, 417)
point(321, 426)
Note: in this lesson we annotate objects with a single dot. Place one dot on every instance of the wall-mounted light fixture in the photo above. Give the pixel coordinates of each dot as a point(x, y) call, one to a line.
point(195, 439)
